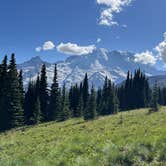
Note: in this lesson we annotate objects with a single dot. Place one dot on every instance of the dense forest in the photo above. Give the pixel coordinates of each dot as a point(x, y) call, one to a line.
point(40, 103)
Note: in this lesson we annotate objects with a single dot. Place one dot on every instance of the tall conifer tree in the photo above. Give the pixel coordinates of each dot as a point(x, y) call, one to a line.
point(64, 113)
point(90, 112)
point(14, 96)
point(85, 92)
point(43, 96)
point(21, 87)
point(55, 98)
point(4, 114)
point(154, 103)
point(37, 87)
point(29, 104)
point(37, 112)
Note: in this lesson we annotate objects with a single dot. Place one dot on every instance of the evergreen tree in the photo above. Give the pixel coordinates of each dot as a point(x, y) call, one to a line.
point(21, 88)
point(110, 99)
point(43, 96)
point(64, 112)
point(76, 103)
point(116, 104)
point(140, 90)
point(37, 112)
point(128, 91)
point(160, 96)
point(105, 89)
point(4, 114)
point(90, 112)
point(99, 101)
point(71, 104)
point(79, 109)
point(37, 87)
point(80, 102)
point(135, 93)
point(30, 99)
point(104, 102)
point(55, 98)
point(32, 106)
point(154, 103)
point(85, 92)
point(163, 93)
point(147, 93)
point(121, 98)
point(14, 96)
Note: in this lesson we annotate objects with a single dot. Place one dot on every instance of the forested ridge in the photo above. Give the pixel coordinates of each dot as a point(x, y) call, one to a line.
point(39, 103)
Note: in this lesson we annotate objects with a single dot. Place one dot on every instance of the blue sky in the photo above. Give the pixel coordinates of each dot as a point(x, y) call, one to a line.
point(27, 25)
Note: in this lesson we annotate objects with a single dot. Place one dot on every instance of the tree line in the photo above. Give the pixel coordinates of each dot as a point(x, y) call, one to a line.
point(40, 104)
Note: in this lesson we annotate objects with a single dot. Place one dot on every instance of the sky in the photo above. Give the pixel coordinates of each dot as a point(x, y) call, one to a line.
point(56, 29)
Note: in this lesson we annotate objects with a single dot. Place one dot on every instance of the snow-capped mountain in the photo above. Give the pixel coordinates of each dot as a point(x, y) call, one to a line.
point(98, 64)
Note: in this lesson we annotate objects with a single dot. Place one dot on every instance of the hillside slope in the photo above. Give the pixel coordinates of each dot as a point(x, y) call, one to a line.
point(130, 138)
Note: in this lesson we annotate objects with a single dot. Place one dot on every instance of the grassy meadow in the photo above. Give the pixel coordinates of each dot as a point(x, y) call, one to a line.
point(129, 138)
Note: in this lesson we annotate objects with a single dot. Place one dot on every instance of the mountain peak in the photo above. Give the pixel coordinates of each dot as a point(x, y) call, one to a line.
point(36, 59)
point(98, 64)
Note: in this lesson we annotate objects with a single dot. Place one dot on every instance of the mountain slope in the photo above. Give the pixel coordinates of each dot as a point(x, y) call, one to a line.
point(31, 68)
point(98, 64)
point(161, 80)
point(130, 138)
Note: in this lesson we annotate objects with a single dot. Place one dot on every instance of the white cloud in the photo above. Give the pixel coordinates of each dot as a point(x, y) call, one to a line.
point(48, 45)
point(98, 40)
point(38, 49)
point(74, 49)
point(161, 49)
point(146, 58)
point(112, 7)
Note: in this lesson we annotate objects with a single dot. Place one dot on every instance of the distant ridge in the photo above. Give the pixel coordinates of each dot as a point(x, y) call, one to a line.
point(98, 64)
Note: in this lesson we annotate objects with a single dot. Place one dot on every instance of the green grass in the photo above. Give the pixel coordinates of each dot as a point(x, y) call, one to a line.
point(139, 140)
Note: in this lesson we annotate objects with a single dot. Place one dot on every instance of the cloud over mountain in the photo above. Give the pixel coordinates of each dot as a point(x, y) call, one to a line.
point(161, 49)
point(48, 45)
point(145, 58)
point(74, 49)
